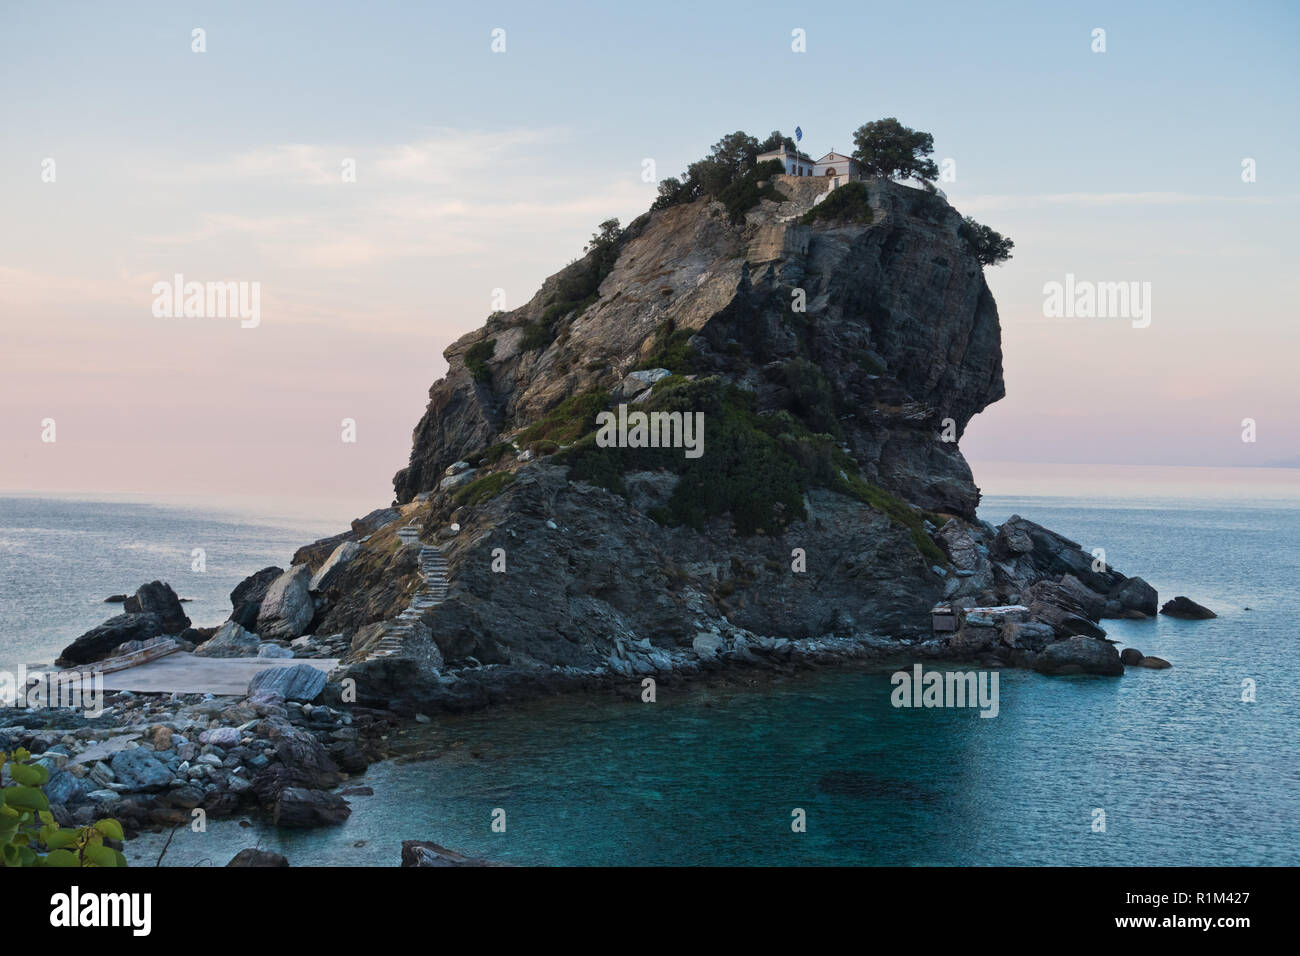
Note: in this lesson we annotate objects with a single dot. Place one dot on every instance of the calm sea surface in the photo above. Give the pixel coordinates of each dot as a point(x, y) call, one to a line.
point(1185, 771)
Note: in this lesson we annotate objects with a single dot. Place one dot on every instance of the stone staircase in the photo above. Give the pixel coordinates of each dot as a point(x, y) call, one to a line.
point(431, 592)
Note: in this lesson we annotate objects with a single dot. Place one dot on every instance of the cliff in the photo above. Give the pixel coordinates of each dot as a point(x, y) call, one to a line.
point(834, 347)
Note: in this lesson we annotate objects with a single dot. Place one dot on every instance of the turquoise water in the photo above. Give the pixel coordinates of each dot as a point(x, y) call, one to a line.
point(1185, 771)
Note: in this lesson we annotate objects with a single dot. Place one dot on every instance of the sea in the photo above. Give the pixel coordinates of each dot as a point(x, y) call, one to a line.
point(1195, 765)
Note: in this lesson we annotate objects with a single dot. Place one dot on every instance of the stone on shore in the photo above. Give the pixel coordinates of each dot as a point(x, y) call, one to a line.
point(255, 857)
point(300, 808)
point(139, 769)
point(100, 641)
point(157, 597)
point(231, 640)
point(418, 853)
point(287, 608)
point(299, 682)
point(1079, 655)
point(1187, 609)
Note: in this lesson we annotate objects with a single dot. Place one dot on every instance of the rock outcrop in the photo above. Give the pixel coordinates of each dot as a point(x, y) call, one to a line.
point(1188, 609)
point(287, 608)
point(159, 599)
point(100, 641)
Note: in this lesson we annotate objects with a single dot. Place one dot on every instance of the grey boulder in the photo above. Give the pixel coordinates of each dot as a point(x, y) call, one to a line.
point(299, 682)
point(287, 608)
point(1079, 655)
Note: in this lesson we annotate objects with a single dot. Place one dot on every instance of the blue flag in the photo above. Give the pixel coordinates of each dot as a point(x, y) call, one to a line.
point(798, 135)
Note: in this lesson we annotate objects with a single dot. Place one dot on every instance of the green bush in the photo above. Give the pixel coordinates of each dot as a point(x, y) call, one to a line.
point(744, 193)
point(476, 358)
point(483, 489)
point(569, 420)
point(848, 203)
point(29, 836)
point(672, 350)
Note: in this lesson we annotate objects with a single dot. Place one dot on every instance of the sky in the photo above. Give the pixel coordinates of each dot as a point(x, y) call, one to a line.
point(127, 157)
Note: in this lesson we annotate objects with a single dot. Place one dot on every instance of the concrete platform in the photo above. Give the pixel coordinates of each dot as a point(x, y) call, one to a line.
point(183, 673)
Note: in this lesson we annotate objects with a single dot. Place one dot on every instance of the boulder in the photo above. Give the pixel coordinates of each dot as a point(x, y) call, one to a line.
point(340, 556)
point(274, 651)
point(231, 640)
point(139, 769)
point(1130, 657)
point(458, 479)
point(224, 737)
point(1134, 594)
point(246, 598)
point(256, 857)
point(287, 608)
point(100, 641)
point(301, 808)
point(1188, 609)
point(375, 520)
point(423, 853)
point(709, 644)
point(299, 682)
point(634, 383)
point(63, 788)
point(158, 598)
point(1079, 655)
point(1154, 663)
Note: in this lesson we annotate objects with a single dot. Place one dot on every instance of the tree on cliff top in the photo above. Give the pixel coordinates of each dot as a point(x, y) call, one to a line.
point(888, 148)
point(990, 247)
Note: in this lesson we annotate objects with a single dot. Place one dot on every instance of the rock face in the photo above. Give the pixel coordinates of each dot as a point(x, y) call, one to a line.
point(341, 555)
point(900, 323)
point(100, 641)
point(287, 608)
point(829, 506)
point(159, 599)
point(1187, 608)
point(246, 598)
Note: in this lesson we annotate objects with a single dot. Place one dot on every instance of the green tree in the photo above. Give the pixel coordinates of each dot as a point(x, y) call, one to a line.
point(888, 148)
point(991, 248)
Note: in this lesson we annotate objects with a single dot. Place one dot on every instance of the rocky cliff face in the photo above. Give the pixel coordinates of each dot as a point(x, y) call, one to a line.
point(898, 318)
point(835, 361)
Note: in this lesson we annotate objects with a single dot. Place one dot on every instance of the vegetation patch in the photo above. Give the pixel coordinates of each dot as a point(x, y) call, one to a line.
point(577, 288)
point(756, 467)
point(848, 203)
point(567, 421)
point(483, 489)
point(745, 192)
point(476, 359)
point(672, 350)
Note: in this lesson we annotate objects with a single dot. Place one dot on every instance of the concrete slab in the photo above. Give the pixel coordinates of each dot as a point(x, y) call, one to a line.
point(183, 673)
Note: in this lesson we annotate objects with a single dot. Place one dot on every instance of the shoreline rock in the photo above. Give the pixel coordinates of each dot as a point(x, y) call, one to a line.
point(1187, 609)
